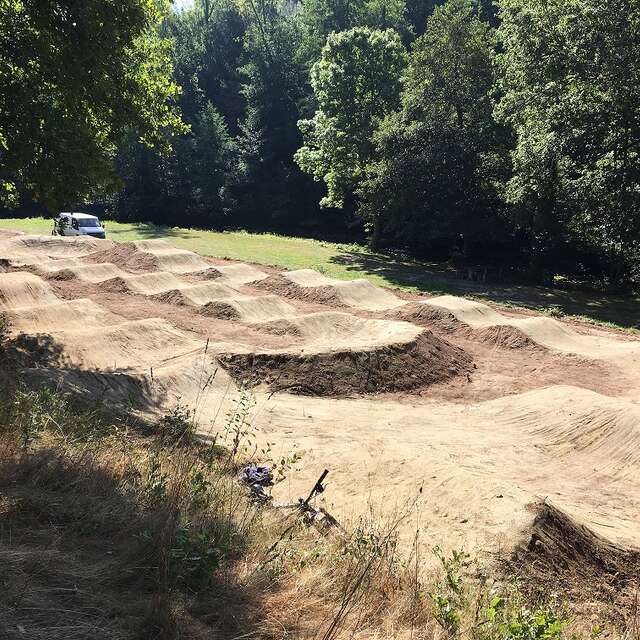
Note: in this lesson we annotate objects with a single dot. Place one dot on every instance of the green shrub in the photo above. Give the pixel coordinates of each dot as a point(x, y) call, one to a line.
point(4, 328)
point(195, 556)
point(449, 595)
point(508, 618)
point(177, 425)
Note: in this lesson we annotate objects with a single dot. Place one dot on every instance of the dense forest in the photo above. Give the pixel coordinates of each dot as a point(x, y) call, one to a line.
point(502, 133)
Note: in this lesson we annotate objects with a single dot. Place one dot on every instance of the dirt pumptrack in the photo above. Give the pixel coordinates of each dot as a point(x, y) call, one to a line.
point(515, 437)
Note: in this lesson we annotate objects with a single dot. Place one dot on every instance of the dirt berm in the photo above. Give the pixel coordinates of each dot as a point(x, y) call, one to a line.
point(425, 360)
point(568, 557)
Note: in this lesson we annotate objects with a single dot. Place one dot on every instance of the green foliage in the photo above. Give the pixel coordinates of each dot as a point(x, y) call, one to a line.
point(320, 18)
point(498, 616)
point(529, 158)
point(32, 412)
point(366, 542)
point(177, 425)
point(4, 328)
point(569, 90)
point(273, 88)
point(356, 82)
point(195, 556)
point(155, 481)
point(206, 56)
point(439, 157)
point(74, 78)
point(449, 596)
point(192, 184)
point(215, 161)
point(238, 433)
point(450, 74)
point(511, 619)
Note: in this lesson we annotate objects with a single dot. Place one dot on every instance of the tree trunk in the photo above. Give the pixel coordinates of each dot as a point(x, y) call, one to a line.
point(376, 233)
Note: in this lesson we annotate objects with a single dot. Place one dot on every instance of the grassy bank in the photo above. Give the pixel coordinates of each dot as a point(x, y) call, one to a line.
point(354, 261)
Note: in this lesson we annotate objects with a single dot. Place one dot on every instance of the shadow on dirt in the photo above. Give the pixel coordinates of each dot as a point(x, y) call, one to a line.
point(39, 361)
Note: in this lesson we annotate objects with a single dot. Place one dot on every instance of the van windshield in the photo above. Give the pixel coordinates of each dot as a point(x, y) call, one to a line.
point(88, 222)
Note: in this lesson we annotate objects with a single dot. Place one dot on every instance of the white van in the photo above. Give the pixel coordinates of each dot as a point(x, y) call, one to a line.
point(77, 224)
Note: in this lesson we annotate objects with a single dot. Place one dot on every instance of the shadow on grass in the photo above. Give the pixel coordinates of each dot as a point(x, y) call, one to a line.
point(149, 231)
point(429, 278)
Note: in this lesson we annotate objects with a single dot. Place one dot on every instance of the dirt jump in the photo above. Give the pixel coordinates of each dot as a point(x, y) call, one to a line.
point(514, 436)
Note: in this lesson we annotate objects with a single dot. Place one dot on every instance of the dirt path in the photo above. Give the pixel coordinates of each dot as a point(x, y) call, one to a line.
point(472, 414)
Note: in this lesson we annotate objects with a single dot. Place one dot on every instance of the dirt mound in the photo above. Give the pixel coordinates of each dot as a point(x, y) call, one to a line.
point(174, 296)
point(115, 392)
point(36, 250)
point(61, 275)
point(210, 273)
point(506, 337)
point(21, 289)
point(10, 233)
point(170, 258)
point(240, 273)
point(287, 289)
point(127, 256)
point(563, 555)
point(135, 344)
point(53, 246)
point(90, 272)
point(73, 314)
point(316, 287)
point(541, 330)
point(56, 264)
point(428, 316)
point(248, 308)
point(147, 284)
point(280, 327)
point(396, 366)
point(220, 309)
point(198, 294)
point(115, 285)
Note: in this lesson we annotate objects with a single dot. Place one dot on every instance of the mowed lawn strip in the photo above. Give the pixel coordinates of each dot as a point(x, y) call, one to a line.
point(350, 261)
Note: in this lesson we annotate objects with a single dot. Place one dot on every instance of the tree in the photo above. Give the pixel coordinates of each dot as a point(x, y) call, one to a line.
point(439, 157)
point(207, 52)
point(272, 187)
point(74, 78)
point(570, 84)
point(215, 160)
point(319, 18)
point(418, 12)
point(356, 82)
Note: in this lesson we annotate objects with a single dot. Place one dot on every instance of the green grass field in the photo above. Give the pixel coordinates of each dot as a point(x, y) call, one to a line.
point(354, 261)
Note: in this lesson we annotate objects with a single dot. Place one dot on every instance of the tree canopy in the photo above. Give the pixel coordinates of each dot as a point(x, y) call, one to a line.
point(74, 78)
point(438, 156)
point(356, 82)
point(503, 131)
point(571, 86)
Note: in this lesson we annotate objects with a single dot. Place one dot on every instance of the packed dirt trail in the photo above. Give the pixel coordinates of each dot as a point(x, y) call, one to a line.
point(407, 402)
point(547, 332)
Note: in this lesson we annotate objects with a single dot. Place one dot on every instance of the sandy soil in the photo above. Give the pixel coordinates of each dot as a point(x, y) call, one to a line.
point(470, 415)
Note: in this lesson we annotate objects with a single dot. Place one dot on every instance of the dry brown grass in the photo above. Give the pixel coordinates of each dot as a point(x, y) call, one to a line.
point(110, 531)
